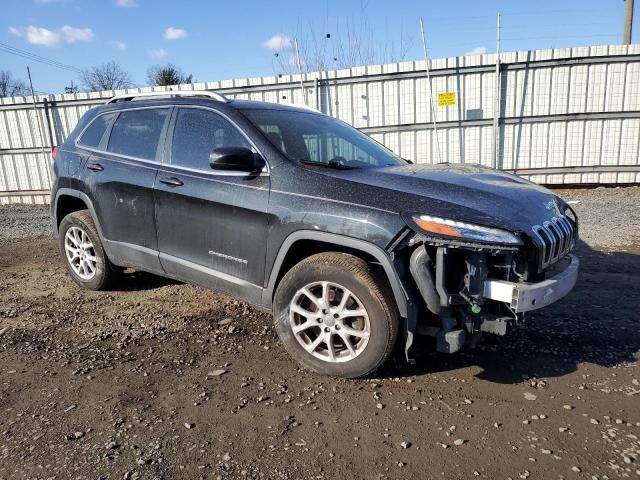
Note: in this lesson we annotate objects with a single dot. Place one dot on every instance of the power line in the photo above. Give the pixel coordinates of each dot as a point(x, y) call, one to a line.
point(512, 14)
point(37, 58)
point(516, 25)
point(551, 12)
point(555, 37)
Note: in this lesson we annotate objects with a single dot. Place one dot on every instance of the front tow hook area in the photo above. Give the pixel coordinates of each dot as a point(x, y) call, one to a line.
point(525, 297)
point(449, 338)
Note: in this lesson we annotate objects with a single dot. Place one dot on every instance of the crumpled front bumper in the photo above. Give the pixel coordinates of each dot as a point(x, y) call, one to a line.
point(525, 297)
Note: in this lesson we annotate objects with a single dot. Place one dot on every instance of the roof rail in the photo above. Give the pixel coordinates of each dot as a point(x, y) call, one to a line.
point(218, 97)
point(306, 107)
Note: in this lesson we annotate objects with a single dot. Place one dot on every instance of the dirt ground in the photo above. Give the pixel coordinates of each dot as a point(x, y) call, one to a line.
point(157, 379)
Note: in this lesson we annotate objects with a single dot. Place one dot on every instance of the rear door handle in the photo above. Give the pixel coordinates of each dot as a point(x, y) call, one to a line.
point(172, 181)
point(96, 167)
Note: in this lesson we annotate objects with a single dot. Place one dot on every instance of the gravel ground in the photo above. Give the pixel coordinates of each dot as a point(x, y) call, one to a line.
point(162, 380)
point(20, 221)
point(609, 217)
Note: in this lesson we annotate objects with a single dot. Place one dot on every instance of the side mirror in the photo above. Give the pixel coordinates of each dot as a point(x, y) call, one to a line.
point(234, 158)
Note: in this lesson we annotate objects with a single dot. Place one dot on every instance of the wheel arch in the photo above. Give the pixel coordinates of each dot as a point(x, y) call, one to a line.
point(67, 201)
point(303, 243)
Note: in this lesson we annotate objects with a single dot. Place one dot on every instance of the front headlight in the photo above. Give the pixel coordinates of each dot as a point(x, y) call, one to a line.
point(464, 231)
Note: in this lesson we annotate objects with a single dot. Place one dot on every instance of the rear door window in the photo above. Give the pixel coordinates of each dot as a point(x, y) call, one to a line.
point(136, 133)
point(197, 133)
point(93, 135)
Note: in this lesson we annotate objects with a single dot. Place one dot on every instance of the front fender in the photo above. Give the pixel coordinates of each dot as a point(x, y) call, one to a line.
point(406, 307)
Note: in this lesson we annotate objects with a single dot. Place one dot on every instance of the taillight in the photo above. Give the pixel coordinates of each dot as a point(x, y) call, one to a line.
point(54, 152)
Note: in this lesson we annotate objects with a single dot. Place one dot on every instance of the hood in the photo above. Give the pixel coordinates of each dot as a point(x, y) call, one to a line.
point(463, 192)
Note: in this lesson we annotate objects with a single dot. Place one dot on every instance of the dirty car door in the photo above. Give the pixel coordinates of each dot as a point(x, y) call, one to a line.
point(211, 224)
point(121, 181)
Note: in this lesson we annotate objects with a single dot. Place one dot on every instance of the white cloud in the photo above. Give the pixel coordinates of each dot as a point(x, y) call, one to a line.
point(173, 33)
point(73, 35)
point(159, 54)
point(126, 3)
point(53, 38)
point(477, 51)
point(278, 42)
point(42, 36)
point(120, 45)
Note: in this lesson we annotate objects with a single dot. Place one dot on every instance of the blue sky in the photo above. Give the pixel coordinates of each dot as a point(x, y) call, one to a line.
point(221, 39)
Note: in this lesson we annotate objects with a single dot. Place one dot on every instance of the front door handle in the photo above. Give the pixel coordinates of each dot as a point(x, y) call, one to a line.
point(172, 181)
point(96, 167)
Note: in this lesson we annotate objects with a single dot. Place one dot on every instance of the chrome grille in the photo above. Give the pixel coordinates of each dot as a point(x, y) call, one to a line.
point(557, 238)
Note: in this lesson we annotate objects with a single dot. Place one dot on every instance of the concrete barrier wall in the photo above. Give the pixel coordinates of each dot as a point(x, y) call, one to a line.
point(560, 116)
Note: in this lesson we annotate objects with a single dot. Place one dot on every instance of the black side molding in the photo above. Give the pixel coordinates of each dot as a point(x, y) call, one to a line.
point(361, 245)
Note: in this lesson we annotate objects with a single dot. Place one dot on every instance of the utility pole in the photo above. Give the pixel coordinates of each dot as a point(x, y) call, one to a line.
point(628, 22)
point(37, 118)
point(496, 113)
point(302, 90)
point(35, 109)
point(431, 99)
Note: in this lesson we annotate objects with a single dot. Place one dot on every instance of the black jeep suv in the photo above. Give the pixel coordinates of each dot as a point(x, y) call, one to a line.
point(352, 248)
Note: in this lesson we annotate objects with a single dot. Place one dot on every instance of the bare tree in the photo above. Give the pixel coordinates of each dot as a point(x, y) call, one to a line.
point(10, 87)
point(108, 76)
point(165, 75)
point(348, 43)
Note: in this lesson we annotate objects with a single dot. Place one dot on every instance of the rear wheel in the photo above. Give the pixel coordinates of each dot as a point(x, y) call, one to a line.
point(83, 253)
point(336, 316)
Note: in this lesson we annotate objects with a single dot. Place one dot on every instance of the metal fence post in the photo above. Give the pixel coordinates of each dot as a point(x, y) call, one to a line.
point(50, 127)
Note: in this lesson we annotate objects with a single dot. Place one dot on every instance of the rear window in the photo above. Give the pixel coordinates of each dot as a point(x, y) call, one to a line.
point(136, 133)
point(93, 135)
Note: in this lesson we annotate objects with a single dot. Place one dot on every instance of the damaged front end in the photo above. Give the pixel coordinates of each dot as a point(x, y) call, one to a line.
point(464, 286)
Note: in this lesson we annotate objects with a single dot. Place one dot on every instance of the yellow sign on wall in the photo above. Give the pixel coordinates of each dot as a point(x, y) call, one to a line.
point(446, 98)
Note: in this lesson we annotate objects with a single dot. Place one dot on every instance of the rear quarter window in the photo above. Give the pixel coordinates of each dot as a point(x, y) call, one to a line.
point(95, 132)
point(136, 133)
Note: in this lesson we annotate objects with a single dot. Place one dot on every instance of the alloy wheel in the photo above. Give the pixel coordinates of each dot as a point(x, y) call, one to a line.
point(81, 253)
point(329, 321)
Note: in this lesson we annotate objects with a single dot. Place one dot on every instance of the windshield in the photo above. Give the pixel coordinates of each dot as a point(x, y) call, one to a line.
point(314, 139)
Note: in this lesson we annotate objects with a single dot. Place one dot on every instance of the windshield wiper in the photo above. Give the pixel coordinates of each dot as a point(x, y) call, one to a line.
point(330, 164)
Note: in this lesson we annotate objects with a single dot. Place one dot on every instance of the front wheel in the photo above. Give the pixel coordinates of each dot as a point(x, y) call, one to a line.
point(336, 316)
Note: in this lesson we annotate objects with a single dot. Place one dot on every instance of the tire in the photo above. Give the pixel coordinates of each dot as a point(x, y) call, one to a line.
point(75, 229)
point(368, 293)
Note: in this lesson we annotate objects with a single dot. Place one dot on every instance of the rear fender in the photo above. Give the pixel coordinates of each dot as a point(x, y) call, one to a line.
point(87, 201)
